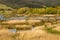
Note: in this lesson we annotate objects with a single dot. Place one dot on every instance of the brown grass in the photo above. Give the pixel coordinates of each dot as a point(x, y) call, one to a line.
point(37, 35)
point(5, 34)
point(14, 21)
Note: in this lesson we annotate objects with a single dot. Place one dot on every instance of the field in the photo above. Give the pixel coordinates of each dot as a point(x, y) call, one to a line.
point(30, 29)
point(29, 23)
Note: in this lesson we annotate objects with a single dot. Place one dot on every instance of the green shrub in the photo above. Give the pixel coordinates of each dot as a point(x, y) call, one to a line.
point(50, 30)
point(47, 10)
point(27, 10)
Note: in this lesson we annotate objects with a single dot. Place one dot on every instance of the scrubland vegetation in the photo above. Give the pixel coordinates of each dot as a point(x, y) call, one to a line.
point(30, 11)
point(29, 29)
point(46, 10)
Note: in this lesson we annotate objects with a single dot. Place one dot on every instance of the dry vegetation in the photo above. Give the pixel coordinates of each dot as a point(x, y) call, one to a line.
point(27, 31)
point(30, 29)
point(37, 35)
point(5, 34)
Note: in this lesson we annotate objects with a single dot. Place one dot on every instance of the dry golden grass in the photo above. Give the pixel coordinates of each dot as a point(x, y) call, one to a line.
point(38, 27)
point(23, 26)
point(57, 27)
point(14, 21)
point(34, 33)
point(37, 35)
point(5, 34)
point(33, 21)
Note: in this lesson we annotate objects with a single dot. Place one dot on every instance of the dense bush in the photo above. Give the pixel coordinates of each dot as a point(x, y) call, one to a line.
point(27, 10)
point(46, 10)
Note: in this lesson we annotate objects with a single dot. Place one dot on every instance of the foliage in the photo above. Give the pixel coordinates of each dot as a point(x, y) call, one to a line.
point(50, 30)
point(46, 10)
point(50, 10)
point(27, 10)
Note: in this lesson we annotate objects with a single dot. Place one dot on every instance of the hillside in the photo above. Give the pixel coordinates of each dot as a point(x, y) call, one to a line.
point(30, 3)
